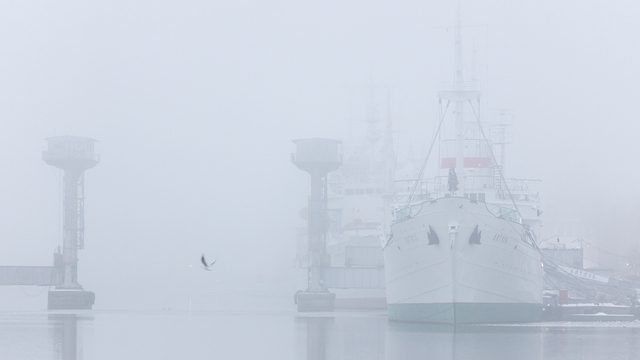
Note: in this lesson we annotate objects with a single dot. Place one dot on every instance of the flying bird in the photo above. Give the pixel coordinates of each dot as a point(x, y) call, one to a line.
point(204, 263)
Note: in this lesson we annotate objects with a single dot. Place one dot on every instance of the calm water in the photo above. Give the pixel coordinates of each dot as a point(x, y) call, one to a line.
point(287, 335)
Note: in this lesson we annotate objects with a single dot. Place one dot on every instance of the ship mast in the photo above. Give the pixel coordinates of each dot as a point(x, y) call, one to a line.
point(459, 94)
point(389, 167)
point(459, 108)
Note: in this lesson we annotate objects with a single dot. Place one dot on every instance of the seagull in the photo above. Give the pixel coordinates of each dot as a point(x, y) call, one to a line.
point(204, 262)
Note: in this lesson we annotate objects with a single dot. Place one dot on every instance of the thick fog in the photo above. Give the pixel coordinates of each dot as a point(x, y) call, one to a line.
point(195, 104)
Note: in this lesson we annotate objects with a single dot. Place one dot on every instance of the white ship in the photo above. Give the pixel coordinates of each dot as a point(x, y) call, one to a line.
point(466, 254)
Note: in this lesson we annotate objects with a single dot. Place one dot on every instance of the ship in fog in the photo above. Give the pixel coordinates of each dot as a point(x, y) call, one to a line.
point(465, 251)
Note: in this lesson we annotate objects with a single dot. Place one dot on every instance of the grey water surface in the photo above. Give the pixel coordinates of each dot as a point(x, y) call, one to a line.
point(287, 335)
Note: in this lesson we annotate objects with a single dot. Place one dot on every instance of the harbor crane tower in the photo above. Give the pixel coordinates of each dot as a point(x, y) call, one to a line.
point(318, 157)
point(73, 155)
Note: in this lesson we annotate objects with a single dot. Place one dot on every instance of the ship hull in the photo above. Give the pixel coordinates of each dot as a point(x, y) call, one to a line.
point(456, 262)
point(457, 313)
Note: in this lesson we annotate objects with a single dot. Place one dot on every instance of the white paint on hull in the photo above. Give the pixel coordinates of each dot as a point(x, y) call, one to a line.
point(504, 268)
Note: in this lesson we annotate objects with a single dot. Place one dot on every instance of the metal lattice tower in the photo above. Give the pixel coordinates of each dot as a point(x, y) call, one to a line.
point(74, 155)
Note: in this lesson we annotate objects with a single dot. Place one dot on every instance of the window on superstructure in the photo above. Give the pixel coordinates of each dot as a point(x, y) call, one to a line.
point(348, 191)
point(369, 191)
point(359, 191)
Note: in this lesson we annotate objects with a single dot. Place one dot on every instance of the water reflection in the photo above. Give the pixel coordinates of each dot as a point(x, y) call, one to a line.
point(317, 337)
point(343, 337)
point(377, 338)
point(405, 341)
point(65, 336)
point(374, 337)
point(288, 336)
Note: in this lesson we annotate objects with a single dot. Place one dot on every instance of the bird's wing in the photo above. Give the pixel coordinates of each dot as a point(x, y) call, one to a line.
point(214, 261)
point(204, 262)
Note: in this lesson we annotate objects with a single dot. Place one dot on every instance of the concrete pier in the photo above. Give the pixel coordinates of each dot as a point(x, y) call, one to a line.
point(315, 301)
point(71, 299)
